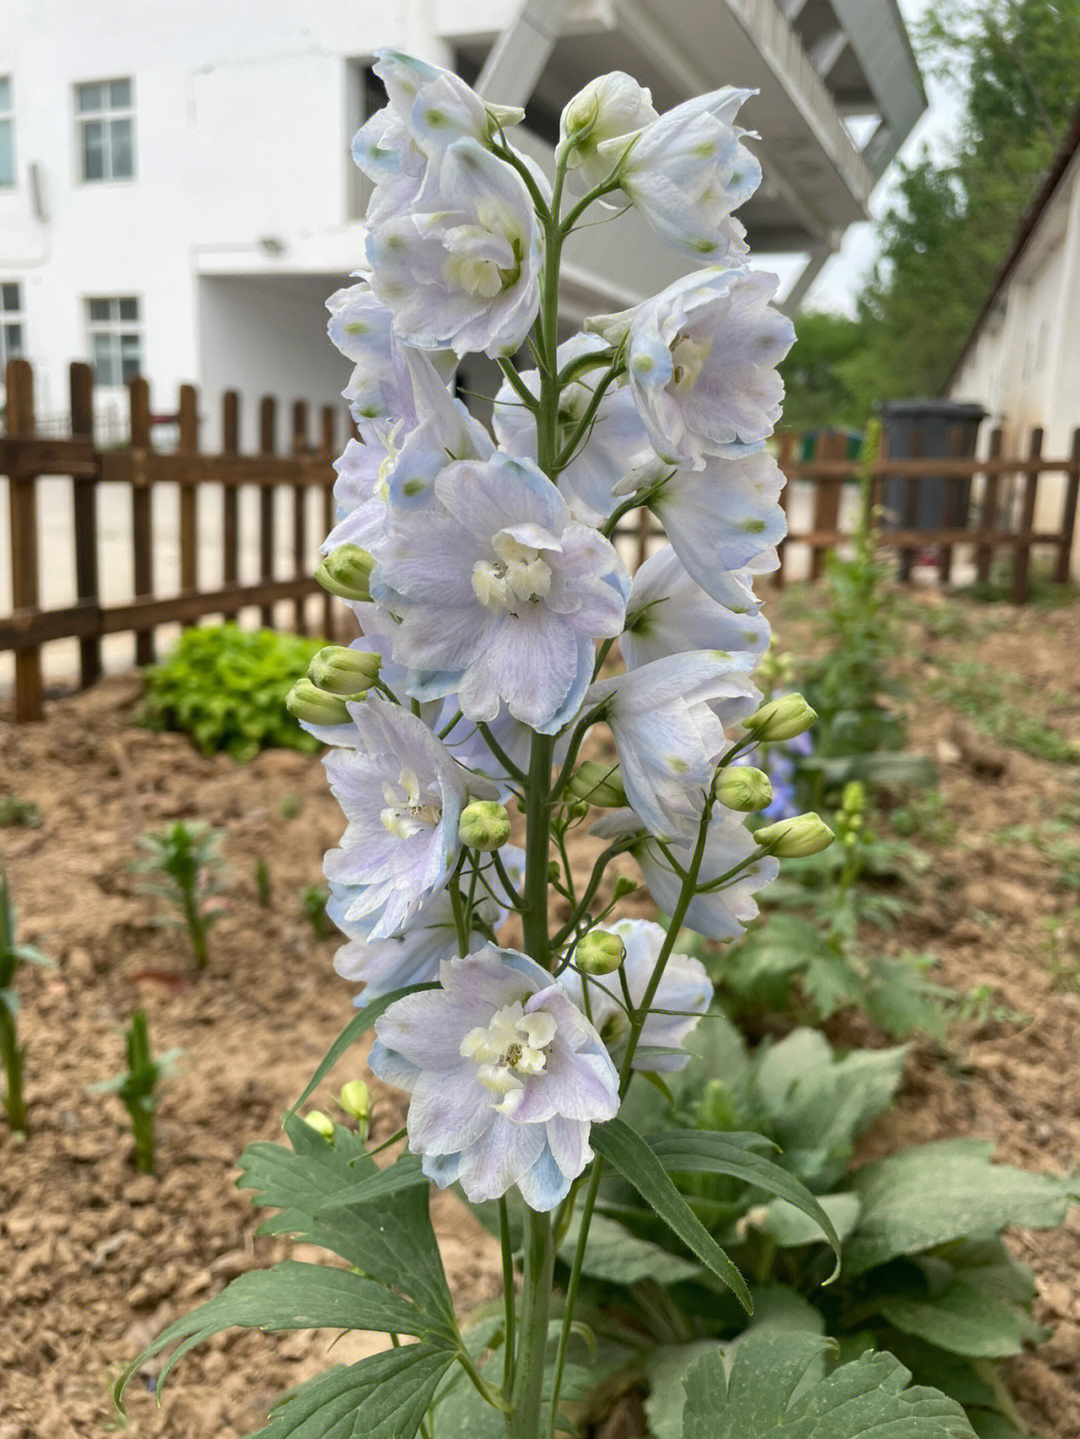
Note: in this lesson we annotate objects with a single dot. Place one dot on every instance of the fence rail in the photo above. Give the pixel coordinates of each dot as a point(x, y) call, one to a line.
point(25, 457)
point(1005, 517)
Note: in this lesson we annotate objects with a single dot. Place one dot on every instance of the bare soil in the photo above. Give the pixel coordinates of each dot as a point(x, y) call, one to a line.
point(95, 1258)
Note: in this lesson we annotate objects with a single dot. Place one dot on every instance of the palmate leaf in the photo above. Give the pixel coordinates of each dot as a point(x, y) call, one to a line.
point(389, 1236)
point(762, 1396)
point(963, 1320)
point(404, 1173)
point(698, 1151)
point(616, 1255)
point(788, 1228)
point(936, 1193)
point(289, 1296)
point(382, 1397)
point(626, 1151)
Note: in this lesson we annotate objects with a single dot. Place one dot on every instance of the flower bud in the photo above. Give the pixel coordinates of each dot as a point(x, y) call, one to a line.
point(741, 787)
point(321, 1123)
point(577, 809)
point(598, 783)
point(355, 1100)
point(599, 952)
point(484, 825)
point(314, 706)
point(343, 671)
point(346, 572)
point(781, 719)
point(795, 838)
point(624, 885)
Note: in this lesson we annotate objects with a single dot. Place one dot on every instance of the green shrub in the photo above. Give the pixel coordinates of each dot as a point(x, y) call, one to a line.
point(226, 688)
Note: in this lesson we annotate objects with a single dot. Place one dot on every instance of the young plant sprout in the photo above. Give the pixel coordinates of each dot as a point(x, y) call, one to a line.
point(262, 883)
point(188, 859)
point(139, 1086)
point(313, 901)
point(12, 1053)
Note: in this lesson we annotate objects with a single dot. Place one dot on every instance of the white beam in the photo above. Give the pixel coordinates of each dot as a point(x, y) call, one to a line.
point(517, 59)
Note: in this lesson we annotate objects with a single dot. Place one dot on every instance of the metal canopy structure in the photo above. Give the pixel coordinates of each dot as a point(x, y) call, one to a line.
point(838, 92)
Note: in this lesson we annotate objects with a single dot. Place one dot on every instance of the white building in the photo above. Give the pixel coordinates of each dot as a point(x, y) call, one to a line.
point(1021, 361)
point(177, 196)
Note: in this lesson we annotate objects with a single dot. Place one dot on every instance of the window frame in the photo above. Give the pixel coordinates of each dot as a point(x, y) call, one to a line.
point(18, 322)
point(105, 115)
point(7, 121)
point(116, 328)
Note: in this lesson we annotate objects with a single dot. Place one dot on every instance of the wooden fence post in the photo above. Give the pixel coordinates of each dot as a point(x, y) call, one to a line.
point(1068, 519)
point(230, 496)
point(188, 446)
point(300, 447)
point(1022, 551)
point(81, 389)
point(22, 490)
point(267, 446)
point(950, 515)
point(830, 447)
point(988, 521)
point(328, 438)
point(141, 530)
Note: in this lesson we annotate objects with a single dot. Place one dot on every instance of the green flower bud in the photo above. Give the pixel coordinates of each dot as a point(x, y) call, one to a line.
point(624, 885)
point(342, 671)
point(577, 809)
point(795, 838)
point(599, 952)
point(853, 799)
point(484, 825)
point(740, 787)
point(346, 571)
point(321, 1123)
point(781, 719)
point(554, 871)
point(307, 702)
point(355, 1099)
point(598, 783)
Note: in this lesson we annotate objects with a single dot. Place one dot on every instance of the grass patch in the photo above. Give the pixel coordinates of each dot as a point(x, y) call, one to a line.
point(984, 697)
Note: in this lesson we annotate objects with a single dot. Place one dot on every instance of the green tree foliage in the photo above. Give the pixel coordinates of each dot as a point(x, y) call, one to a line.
point(949, 224)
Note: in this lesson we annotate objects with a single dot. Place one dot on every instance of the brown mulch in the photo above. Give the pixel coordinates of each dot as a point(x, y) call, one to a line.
point(95, 1258)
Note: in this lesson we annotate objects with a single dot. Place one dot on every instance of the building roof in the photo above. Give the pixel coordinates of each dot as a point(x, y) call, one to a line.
point(1029, 222)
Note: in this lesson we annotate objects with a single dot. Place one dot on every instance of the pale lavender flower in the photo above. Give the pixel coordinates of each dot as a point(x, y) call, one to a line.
point(701, 363)
point(616, 439)
point(684, 987)
point(402, 794)
point(667, 719)
point(500, 594)
point(461, 269)
point(611, 108)
point(506, 1077)
point(723, 913)
point(360, 327)
point(667, 613)
point(429, 938)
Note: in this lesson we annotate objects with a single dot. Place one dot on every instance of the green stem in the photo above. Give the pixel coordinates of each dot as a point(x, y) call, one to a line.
point(196, 929)
point(572, 1292)
point(537, 840)
point(11, 1054)
point(509, 1306)
point(527, 1393)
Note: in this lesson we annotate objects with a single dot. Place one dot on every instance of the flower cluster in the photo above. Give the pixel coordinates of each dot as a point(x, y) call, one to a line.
point(502, 630)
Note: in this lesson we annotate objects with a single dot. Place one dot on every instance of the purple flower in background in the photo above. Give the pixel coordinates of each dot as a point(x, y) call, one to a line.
point(684, 987)
point(506, 1076)
point(402, 794)
point(500, 594)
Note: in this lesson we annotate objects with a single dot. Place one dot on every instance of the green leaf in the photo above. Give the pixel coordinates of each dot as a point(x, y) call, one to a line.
point(948, 1190)
point(382, 1397)
point(696, 1151)
point(289, 1296)
point(625, 1150)
point(618, 1256)
point(789, 1228)
point(963, 1320)
point(356, 1028)
point(761, 1396)
point(388, 1238)
point(404, 1173)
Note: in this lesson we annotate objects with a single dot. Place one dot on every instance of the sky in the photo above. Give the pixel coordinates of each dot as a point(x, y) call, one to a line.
point(835, 287)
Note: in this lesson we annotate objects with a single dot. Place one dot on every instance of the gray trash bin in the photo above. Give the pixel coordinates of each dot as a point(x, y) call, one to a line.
point(927, 429)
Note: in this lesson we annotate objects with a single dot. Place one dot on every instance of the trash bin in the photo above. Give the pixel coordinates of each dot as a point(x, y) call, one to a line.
point(927, 429)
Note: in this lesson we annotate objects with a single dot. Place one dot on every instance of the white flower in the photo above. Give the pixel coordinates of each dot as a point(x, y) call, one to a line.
point(609, 107)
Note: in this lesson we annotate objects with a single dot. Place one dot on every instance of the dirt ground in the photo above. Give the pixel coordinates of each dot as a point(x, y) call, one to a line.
point(95, 1258)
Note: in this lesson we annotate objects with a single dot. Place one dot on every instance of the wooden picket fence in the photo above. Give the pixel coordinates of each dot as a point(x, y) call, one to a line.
point(25, 457)
point(1004, 517)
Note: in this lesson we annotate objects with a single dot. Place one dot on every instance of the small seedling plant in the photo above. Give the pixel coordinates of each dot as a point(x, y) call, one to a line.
point(187, 859)
point(139, 1086)
point(492, 597)
point(12, 1053)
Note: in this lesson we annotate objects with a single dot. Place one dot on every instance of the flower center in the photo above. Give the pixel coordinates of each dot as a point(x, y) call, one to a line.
point(407, 812)
point(517, 574)
point(485, 258)
point(688, 356)
point(512, 1046)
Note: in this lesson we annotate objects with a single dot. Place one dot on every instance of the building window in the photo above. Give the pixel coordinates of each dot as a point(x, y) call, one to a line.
point(11, 324)
point(7, 134)
point(106, 123)
point(115, 341)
